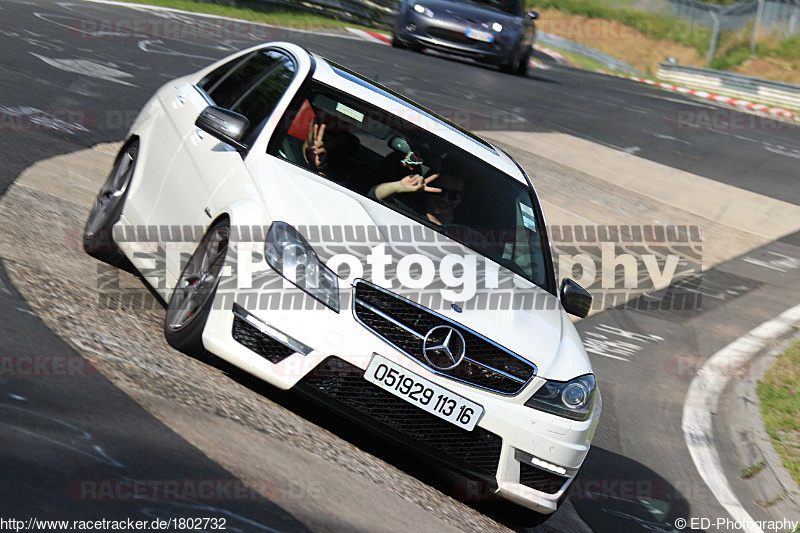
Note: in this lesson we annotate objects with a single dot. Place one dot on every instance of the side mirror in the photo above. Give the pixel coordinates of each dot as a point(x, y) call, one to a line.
point(575, 299)
point(225, 125)
point(532, 15)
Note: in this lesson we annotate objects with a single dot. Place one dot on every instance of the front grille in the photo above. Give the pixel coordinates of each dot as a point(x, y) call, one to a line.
point(393, 318)
point(340, 381)
point(539, 479)
point(264, 345)
point(450, 36)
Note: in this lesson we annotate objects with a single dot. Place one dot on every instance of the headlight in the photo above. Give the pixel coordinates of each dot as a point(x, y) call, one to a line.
point(572, 399)
point(293, 258)
point(423, 10)
point(497, 27)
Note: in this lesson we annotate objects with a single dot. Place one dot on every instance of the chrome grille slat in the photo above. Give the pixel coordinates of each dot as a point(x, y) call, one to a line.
point(390, 319)
point(509, 376)
point(403, 324)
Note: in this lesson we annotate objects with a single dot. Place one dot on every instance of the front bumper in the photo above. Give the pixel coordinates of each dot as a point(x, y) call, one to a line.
point(515, 452)
point(417, 30)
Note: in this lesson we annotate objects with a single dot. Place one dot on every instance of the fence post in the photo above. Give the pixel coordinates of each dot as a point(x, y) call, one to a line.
point(712, 48)
point(759, 14)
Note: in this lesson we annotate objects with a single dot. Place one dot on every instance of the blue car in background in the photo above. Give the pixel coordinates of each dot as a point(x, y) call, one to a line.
point(496, 32)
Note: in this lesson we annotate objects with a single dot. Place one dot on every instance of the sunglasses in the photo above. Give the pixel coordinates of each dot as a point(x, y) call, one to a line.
point(453, 195)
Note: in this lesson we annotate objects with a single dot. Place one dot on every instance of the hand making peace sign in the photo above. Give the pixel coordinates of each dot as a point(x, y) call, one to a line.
point(415, 182)
point(315, 146)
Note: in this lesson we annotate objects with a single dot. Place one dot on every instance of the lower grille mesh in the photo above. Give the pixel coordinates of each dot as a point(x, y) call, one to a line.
point(539, 479)
point(250, 337)
point(344, 383)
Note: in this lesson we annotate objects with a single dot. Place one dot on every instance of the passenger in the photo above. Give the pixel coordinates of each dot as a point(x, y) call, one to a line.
point(440, 201)
point(314, 150)
point(331, 155)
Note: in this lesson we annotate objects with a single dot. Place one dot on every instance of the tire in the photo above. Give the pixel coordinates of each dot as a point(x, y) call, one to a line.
point(107, 208)
point(509, 66)
point(517, 63)
point(397, 43)
point(191, 301)
point(522, 68)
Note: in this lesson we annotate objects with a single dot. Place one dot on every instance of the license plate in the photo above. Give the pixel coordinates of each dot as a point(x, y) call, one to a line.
point(423, 393)
point(479, 35)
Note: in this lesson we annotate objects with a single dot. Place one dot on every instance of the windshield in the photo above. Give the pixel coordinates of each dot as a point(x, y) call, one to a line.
point(417, 173)
point(512, 7)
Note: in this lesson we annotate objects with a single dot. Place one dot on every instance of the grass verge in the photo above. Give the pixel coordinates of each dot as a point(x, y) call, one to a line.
point(779, 393)
point(733, 48)
point(579, 60)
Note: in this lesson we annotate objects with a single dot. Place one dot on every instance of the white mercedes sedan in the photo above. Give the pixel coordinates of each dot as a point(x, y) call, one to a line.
point(328, 235)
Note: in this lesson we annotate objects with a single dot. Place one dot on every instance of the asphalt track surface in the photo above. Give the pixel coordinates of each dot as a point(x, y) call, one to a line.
point(51, 67)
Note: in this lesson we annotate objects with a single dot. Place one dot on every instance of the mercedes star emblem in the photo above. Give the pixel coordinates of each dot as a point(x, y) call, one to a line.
point(444, 347)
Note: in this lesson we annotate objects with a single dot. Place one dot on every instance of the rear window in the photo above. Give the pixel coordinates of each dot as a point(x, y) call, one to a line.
point(512, 7)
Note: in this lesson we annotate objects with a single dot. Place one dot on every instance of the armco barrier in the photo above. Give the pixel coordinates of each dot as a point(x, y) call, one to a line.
point(372, 13)
point(734, 85)
point(606, 60)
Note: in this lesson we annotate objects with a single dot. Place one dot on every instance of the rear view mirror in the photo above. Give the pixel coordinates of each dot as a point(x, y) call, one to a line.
point(575, 299)
point(533, 15)
point(225, 125)
point(399, 144)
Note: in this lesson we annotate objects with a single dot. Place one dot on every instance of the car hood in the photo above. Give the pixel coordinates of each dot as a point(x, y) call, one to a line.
point(337, 221)
point(450, 9)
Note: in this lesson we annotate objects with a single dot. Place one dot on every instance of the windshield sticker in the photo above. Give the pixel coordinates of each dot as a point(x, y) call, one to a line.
point(528, 218)
point(350, 112)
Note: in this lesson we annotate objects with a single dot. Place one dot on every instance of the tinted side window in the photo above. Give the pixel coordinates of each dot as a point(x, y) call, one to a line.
point(258, 101)
point(231, 85)
point(218, 73)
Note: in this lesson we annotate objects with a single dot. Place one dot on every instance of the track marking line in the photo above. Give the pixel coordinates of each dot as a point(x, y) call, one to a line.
point(735, 102)
point(702, 401)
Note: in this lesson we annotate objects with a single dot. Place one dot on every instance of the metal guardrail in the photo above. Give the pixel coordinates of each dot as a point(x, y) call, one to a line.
point(606, 60)
point(381, 13)
point(780, 18)
point(373, 13)
point(768, 92)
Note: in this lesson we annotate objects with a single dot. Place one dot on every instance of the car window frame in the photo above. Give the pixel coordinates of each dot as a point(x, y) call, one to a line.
point(238, 61)
point(254, 86)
